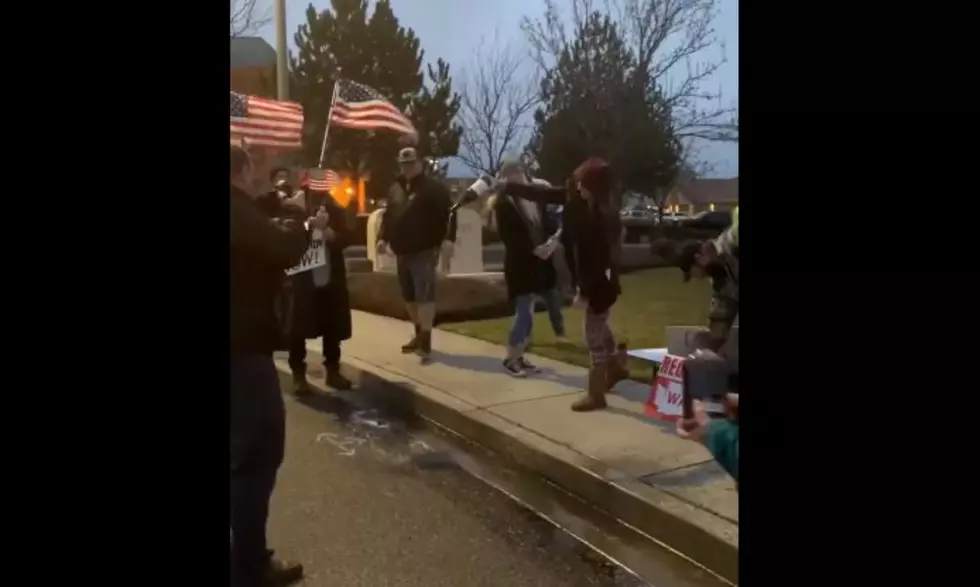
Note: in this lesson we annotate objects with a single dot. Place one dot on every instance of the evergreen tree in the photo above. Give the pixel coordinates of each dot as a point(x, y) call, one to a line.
point(595, 101)
point(344, 41)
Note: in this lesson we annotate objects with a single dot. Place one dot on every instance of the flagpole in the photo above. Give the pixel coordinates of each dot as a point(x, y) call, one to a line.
point(326, 131)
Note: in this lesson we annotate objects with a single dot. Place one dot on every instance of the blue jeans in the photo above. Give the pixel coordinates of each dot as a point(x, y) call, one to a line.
point(553, 302)
point(520, 331)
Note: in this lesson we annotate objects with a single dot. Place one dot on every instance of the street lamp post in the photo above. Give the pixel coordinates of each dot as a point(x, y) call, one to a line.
point(282, 67)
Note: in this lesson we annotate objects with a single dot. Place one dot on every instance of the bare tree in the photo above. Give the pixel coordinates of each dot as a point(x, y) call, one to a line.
point(497, 100)
point(247, 18)
point(667, 38)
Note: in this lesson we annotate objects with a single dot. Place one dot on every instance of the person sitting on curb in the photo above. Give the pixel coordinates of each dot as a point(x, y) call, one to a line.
point(720, 436)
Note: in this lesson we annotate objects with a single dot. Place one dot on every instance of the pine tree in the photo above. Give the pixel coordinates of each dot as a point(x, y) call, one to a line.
point(595, 101)
point(344, 41)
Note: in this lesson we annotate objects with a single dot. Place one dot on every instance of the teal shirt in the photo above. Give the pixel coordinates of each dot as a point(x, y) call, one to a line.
point(722, 442)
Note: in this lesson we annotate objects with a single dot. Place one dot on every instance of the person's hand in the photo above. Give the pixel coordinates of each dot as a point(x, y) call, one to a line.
point(694, 428)
point(382, 247)
point(580, 301)
point(448, 247)
point(697, 427)
point(321, 220)
point(329, 235)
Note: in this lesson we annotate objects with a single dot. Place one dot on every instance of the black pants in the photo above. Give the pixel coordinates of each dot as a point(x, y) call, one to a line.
point(297, 355)
point(258, 438)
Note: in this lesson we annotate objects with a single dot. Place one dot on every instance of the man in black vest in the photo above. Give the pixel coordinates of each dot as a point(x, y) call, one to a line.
point(262, 248)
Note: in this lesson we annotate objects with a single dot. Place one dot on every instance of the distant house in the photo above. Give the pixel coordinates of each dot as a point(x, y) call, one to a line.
point(253, 67)
point(690, 196)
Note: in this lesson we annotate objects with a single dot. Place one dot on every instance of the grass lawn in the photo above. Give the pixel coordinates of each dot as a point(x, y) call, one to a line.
point(652, 300)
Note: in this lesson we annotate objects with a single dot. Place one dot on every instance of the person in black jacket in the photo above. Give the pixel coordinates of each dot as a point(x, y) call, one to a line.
point(261, 249)
point(524, 228)
point(594, 229)
point(414, 227)
point(321, 303)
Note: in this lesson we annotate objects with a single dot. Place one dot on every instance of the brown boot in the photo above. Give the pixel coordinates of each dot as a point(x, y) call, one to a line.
point(595, 398)
point(617, 368)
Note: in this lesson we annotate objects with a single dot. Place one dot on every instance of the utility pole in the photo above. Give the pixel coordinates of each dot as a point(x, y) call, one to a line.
point(282, 65)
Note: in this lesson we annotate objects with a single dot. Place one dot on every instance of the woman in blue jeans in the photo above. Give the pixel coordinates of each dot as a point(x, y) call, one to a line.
point(524, 229)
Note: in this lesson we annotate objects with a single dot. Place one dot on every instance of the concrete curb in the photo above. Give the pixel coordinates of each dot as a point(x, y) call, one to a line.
point(670, 521)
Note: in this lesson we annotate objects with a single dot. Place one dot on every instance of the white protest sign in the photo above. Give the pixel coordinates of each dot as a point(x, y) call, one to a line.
point(315, 256)
point(667, 390)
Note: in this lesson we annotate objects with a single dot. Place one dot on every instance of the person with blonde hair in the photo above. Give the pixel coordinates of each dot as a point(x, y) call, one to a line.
point(597, 247)
point(525, 229)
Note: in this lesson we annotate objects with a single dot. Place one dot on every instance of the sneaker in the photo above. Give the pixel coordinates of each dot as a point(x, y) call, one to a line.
point(514, 367)
point(282, 573)
point(528, 366)
point(562, 340)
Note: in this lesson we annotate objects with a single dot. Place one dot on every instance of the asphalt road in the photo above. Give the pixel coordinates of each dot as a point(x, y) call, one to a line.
point(369, 503)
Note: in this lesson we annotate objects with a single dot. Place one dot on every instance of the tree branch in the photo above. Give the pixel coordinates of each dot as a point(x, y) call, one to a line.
point(497, 99)
point(667, 39)
point(247, 18)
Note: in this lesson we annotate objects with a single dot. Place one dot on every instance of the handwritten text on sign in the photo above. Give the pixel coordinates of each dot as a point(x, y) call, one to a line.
point(666, 391)
point(315, 256)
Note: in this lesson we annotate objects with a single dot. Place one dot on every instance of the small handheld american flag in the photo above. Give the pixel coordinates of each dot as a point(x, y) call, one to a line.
point(362, 107)
point(264, 122)
point(327, 183)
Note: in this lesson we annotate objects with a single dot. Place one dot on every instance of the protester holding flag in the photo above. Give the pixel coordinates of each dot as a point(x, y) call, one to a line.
point(320, 300)
point(261, 249)
point(414, 228)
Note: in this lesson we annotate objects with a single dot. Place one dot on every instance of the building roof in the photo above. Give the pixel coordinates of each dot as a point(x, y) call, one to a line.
point(710, 190)
point(249, 52)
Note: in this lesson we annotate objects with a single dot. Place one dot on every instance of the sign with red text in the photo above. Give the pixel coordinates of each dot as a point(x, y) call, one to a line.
point(666, 391)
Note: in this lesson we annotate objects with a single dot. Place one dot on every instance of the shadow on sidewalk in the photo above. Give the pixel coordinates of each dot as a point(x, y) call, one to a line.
point(486, 364)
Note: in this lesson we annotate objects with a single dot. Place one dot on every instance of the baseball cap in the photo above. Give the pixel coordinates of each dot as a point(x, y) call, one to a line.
point(687, 257)
point(407, 155)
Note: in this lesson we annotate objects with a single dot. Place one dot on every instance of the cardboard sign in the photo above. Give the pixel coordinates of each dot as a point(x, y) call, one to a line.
point(315, 256)
point(666, 391)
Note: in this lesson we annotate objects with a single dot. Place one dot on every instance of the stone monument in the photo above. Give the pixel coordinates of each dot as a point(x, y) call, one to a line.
point(385, 262)
point(468, 252)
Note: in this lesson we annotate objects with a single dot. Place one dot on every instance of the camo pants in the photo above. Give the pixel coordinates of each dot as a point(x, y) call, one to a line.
point(598, 337)
point(721, 318)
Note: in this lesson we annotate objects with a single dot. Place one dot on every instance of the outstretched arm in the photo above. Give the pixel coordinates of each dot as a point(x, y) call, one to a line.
point(535, 193)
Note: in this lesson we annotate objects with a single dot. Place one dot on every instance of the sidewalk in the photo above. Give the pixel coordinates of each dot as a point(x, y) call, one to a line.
point(618, 459)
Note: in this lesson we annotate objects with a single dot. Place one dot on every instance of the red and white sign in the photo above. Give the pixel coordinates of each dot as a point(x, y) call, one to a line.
point(666, 391)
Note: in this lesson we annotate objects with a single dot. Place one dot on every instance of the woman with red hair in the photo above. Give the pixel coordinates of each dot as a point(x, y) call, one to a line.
point(594, 233)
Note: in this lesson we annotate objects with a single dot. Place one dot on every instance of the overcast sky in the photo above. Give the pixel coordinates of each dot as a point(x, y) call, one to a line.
point(453, 29)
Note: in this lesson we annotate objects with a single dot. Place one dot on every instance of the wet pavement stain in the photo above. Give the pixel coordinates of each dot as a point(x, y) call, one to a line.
point(524, 511)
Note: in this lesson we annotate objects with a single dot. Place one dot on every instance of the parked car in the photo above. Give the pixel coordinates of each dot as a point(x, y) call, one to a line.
point(703, 225)
point(637, 221)
point(671, 218)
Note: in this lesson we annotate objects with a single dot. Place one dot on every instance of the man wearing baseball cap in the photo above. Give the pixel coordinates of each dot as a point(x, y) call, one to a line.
point(414, 228)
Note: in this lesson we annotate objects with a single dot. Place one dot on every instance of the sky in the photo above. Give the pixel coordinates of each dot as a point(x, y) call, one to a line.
point(453, 29)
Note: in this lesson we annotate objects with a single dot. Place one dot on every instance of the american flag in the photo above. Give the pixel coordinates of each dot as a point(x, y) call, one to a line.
point(269, 123)
point(361, 107)
point(329, 181)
